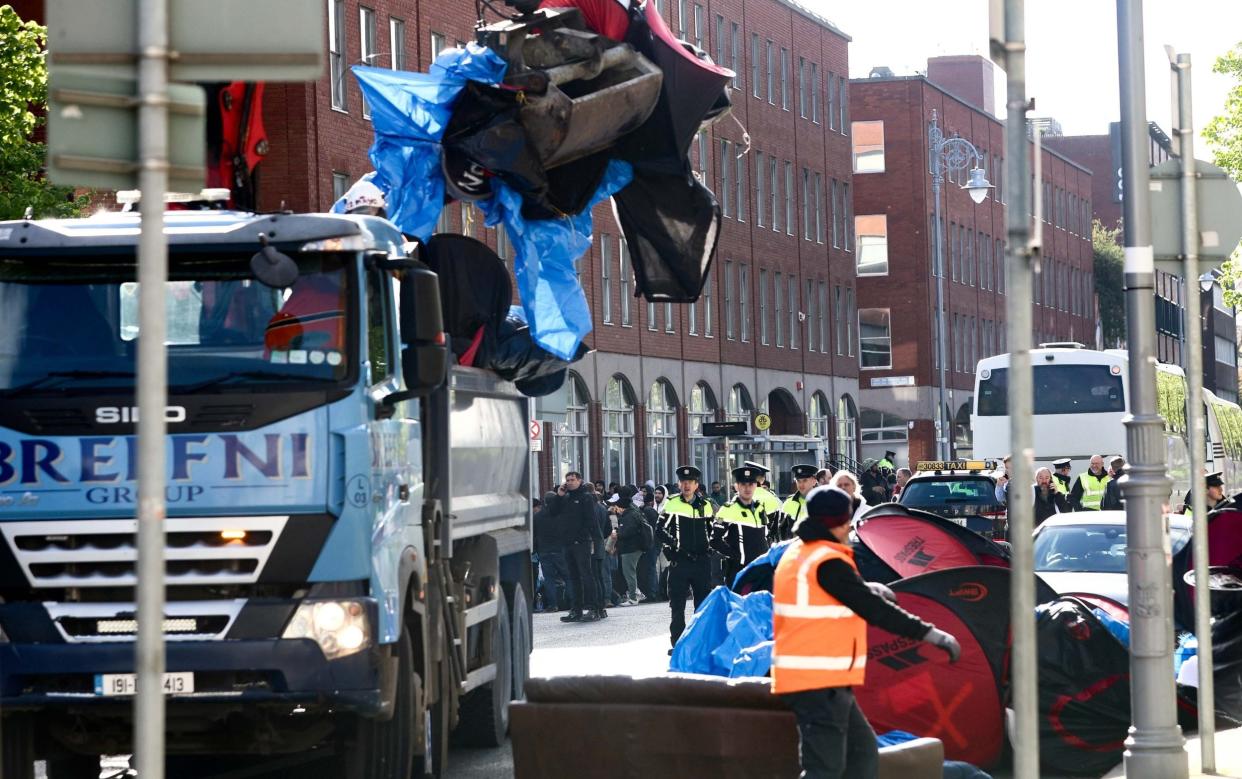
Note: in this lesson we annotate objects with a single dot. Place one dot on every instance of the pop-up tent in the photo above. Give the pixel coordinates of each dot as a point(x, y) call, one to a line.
point(912, 542)
point(912, 686)
point(1224, 548)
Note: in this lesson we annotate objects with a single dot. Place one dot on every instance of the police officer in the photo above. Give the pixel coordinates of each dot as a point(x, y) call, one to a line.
point(739, 534)
point(1215, 497)
point(794, 507)
point(1088, 491)
point(1061, 475)
point(764, 496)
point(821, 608)
point(685, 530)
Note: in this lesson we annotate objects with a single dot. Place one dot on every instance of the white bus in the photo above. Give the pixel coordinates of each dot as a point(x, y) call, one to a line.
point(1081, 397)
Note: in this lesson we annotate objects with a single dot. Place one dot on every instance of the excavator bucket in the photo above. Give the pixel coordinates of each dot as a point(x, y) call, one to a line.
point(582, 91)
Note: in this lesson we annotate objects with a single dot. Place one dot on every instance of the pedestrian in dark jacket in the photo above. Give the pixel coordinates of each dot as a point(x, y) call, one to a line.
point(575, 508)
point(875, 488)
point(648, 573)
point(1048, 500)
point(1112, 491)
point(604, 563)
point(630, 541)
point(550, 551)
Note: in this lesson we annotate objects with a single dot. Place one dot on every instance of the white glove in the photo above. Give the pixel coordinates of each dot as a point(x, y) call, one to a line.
point(938, 638)
point(883, 591)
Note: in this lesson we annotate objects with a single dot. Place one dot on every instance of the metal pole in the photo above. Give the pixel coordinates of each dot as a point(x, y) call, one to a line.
point(1155, 748)
point(1018, 314)
point(936, 146)
point(1198, 444)
point(152, 386)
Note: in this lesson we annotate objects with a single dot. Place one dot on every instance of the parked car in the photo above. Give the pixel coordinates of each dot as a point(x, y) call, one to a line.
point(1085, 551)
point(963, 491)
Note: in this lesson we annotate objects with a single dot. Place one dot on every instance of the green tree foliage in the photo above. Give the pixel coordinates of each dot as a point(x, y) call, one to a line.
point(1224, 135)
point(1109, 262)
point(23, 97)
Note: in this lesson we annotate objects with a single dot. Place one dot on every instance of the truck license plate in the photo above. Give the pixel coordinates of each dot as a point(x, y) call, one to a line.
point(110, 685)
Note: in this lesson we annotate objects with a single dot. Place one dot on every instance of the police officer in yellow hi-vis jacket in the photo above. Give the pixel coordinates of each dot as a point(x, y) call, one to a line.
point(764, 496)
point(793, 510)
point(685, 529)
point(821, 608)
point(740, 532)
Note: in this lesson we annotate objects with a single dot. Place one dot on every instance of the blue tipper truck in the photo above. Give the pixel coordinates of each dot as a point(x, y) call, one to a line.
point(348, 516)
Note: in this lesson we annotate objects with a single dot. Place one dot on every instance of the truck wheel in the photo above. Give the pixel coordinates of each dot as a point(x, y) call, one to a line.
point(17, 753)
point(384, 749)
point(521, 643)
point(436, 721)
point(485, 710)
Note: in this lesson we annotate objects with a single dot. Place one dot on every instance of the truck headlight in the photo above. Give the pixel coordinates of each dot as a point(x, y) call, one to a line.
point(339, 627)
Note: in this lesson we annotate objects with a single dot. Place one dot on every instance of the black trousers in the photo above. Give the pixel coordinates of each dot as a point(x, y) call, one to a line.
point(695, 575)
point(582, 576)
point(834, 739)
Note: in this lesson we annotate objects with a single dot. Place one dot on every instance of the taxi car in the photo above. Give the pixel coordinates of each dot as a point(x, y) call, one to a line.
point(962, 491)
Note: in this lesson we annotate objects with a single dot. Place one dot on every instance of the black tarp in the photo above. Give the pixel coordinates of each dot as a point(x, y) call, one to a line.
point(1224, 548)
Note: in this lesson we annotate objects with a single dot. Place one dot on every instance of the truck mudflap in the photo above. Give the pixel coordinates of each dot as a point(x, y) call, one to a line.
point(275, 671)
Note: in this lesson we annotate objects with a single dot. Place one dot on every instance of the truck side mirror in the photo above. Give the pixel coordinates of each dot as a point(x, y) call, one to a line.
point(424, 347)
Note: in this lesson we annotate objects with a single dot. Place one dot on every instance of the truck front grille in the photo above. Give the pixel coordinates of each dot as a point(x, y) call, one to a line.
point(183, 621)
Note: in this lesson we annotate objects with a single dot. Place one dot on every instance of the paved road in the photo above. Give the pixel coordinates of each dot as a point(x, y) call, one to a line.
point(631, 641)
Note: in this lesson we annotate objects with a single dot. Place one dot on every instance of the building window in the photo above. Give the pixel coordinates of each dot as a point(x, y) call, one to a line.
point(810, 315)
point(739, 407)
point(741, 163)
point(819, 208)
point(730, 329)
point(779, 308)
point(849, 321)
point(789, 198)
point(468, 219)
point(735, 45)
point(844, 90)
point(763, 304)
point(336, 51)
point(743, 294)
point(702, 450)
point(836, 214)
point(693, 328)
point(761, 176)
point(822, 312)
point(763, 307)
point(784, 79)
point(396, 42)
point(817, 417)
point(681, 19)
point(868, 146)
point(774, 180)
point(366, 31)
point(669, 322)
point(698, 25)
point(847, 426)
point(661, 432)
point(626, 274)
point(874, 338)
point(832, 101)
point(707, 307)
point(771, 92)
point(570, 444)
point(754, 64)
point(720, 40)
point(802, 87)
point(652, 325)
point(806, 204)
point(605, 277)
point(793, 311)
point(618, 435)
point(815, 93)
point(882, 428)
point(726, 207)
point(838, 299)
point(872, 231)
point(340, 185)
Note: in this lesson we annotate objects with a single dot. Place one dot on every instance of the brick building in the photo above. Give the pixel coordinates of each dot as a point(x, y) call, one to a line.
point(899, 378)
point(773, 331)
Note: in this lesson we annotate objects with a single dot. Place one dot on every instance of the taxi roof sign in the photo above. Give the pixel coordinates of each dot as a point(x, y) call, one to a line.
point(955, 465)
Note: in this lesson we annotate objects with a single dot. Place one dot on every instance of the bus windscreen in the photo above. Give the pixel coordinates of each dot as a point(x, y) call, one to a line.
point(1059, 389)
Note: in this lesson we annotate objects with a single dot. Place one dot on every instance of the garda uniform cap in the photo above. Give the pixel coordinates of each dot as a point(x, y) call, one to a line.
point(759, 467)
point(686, 472)
point(830, 505)
point(1064, 462)
point(804, 471)
point(745, 475)
point(1216, 479)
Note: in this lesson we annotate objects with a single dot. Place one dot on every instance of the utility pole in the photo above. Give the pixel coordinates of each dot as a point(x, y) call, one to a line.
point(1012, 46)
point(1155, 748)
point(1194, 385)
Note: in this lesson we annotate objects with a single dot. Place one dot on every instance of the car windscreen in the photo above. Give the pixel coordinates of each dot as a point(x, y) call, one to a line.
point(1059, 389)
point(73, 323)
point(949, 493)
point(1090, 548)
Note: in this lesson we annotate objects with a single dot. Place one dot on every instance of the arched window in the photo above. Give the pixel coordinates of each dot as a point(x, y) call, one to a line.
point(847, 427)
point(618, 431)
point(963, 437)
point(661, 432)
point(702, 450)
point(817, 417)
point(570, 443)
point(740, 406)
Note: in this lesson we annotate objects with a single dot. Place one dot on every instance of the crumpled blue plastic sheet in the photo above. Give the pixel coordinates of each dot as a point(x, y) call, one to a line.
point(545, 254)
point(729, 635)
point(409, 113)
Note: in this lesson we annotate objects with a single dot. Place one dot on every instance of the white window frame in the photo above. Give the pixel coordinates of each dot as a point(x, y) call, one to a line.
point(336, 56)
point(887, 339)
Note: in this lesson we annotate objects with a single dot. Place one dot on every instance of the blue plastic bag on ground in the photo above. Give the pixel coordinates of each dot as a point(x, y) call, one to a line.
point(729, 635)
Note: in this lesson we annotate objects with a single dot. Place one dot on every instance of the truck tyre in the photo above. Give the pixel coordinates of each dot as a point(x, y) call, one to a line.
point(384, 749)
point(485, 709)
point(521, 643)
point(436, 720)
point(17, 752)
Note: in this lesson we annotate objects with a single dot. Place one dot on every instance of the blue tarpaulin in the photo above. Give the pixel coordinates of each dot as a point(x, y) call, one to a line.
point(729, 635)
point(410, 112)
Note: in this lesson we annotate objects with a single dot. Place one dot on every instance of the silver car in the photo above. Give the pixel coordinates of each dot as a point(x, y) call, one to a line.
point(1085, 551)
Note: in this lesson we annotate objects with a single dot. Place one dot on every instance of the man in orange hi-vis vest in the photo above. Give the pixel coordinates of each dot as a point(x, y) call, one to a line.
point(821, 607)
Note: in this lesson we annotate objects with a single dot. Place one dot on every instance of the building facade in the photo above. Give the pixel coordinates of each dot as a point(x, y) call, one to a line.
point(897, 285)
point(774, 331)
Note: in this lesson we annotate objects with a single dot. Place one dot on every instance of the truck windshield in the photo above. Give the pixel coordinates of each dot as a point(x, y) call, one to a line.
point(1059, 389)
point(72, 324)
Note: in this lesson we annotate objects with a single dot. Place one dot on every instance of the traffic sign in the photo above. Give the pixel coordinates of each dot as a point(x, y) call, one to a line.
point(1220, 216)
point(715, 429)
point(762, 422)
point(536, 436)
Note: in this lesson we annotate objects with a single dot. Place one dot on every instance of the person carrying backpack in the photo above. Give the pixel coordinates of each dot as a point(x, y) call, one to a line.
point(632, 540)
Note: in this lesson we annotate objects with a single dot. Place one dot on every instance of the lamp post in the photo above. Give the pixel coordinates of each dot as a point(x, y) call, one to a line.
point(949, 155)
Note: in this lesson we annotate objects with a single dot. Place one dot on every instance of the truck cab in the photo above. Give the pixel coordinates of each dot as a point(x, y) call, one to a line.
point(348, 520)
